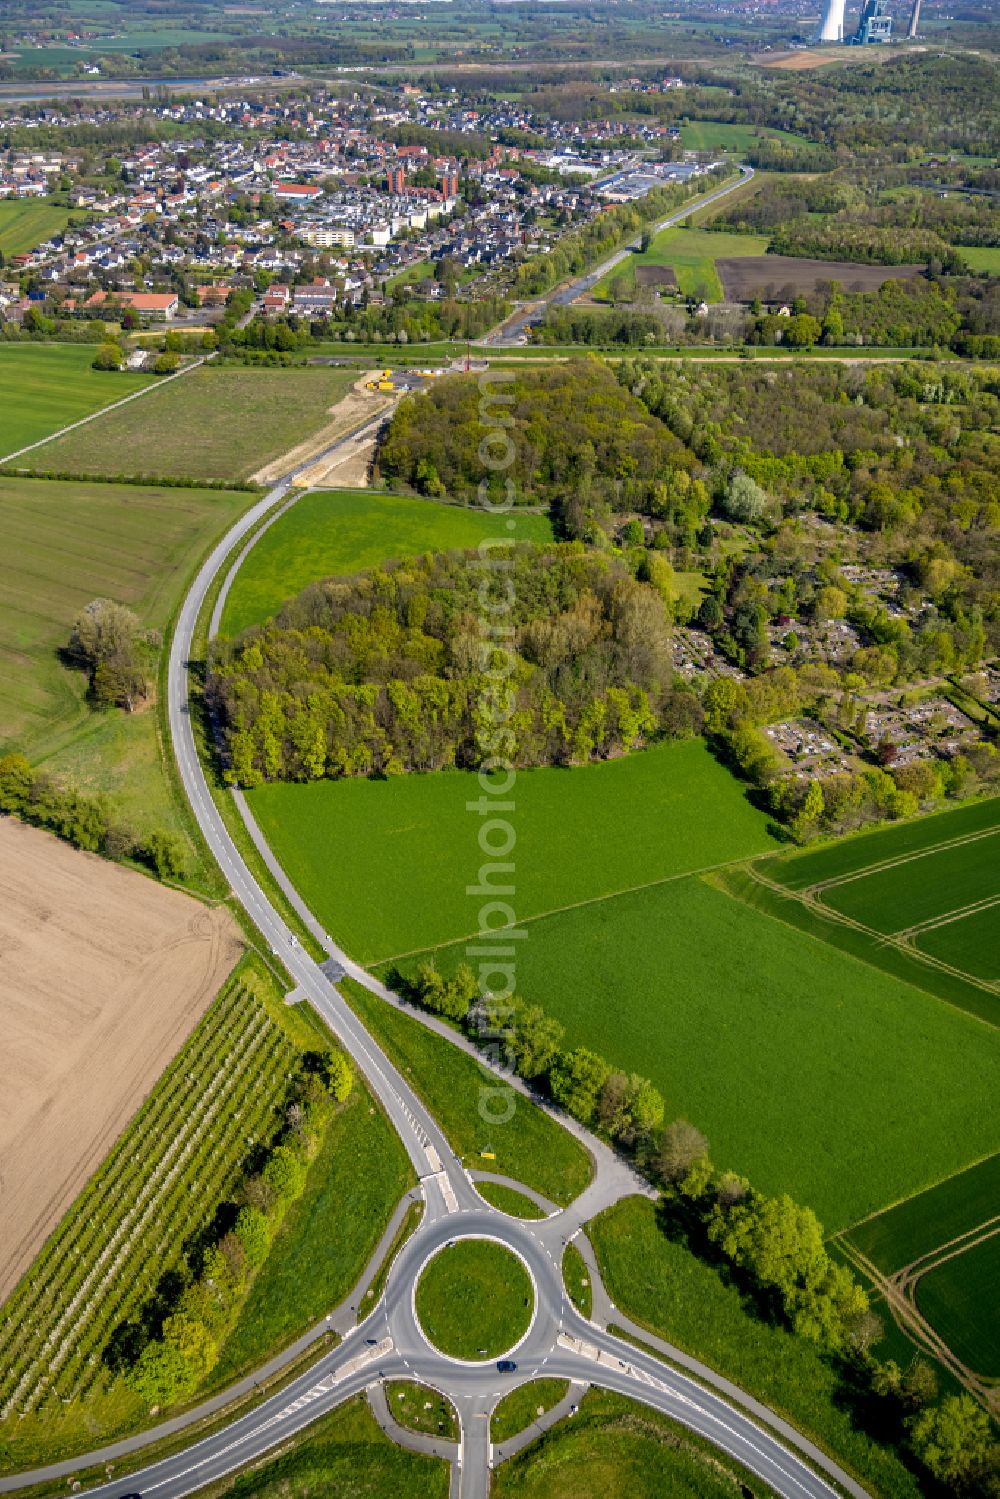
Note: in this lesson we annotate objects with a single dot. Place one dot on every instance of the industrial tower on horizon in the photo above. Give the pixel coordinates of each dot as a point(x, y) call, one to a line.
point(831, 26)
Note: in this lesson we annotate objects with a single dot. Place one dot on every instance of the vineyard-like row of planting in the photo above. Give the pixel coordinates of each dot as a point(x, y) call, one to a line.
point(166, 1175)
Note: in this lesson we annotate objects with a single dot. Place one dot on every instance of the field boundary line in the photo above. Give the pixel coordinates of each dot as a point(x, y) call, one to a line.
point(883, 865)
point(157, 384)
point(952, 1176)
point(908, 1317)
point(949, 1250)
point(575, 905)
point(884, 939)
point(974, 908)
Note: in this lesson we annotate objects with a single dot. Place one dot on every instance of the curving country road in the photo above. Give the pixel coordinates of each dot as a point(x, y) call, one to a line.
point(512, 331)
point(389, 1343)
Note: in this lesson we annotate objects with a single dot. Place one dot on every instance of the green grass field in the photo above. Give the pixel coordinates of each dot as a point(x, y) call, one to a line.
point(833, 861)
point(931, 1219)
point(961, 1300)
point(407, 848)
point(215, 423)
point(615, 1447)
point(419, 1408)
point(474, 1300)
point(521, 1407)
point(921, 889)
point(344, 1455)
point(713, 135)
point(68, 543)
point(729, 1011)
point(659, 1283)
point(981, 257)
point(47, 386)
point(333, 532)
point(692, 253)
point(508, 1201)
point(530, 1146)
point(972, 943)
point(27, 222)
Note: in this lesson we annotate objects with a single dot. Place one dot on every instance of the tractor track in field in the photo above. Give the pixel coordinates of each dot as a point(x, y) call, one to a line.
point(884, 939)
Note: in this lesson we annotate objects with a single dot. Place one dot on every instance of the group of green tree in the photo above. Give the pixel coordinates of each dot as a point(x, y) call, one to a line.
point(573, 430)
point(905, 454)
point(174, 1342)
point(408, 320)
point(400, 668)
point(871, 212)
point(108, 642)
point(772, 1246)
point(88, 822)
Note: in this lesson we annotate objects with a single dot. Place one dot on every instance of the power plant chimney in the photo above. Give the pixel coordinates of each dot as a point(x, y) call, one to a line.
point(914, 19)
point(831, 28)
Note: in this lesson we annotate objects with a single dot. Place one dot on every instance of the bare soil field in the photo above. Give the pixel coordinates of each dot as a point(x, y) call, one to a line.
point(346, 413)
point(106, 973)
point(776, 278)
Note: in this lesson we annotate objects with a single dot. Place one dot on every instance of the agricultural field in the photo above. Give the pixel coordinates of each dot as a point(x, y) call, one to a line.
point(106, 974)
point(651, 980)
point(783, 277)
point(127, 1230)
point(960, 1298)
point(47, 386)
point(932, 886)
point(691, 254)
point(868, 849)
point(940, 1251)
point(920, 889)
point(713, 135)
point(330, 533)
point(215, 423)
point(27, 222)
point(407, 848)
point(68, 543)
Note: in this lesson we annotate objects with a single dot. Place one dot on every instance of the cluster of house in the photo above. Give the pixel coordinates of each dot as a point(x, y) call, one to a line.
point(283, 186)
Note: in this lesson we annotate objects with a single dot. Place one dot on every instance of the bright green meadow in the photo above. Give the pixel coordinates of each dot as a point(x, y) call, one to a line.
point(46, 386)
point(810, 1072)
point(659, 1283)
point(407, 848)
point(28, 222)
point(474, 1300)
point(330, 533)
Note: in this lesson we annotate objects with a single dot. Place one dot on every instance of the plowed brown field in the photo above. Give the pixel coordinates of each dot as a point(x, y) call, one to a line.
point(105, 974)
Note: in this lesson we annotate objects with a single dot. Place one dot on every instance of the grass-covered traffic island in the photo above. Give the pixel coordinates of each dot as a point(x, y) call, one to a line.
point(474, 1299)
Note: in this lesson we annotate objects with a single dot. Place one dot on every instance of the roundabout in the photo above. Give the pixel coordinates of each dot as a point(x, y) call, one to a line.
point(474, 1300)
point(470, 1278)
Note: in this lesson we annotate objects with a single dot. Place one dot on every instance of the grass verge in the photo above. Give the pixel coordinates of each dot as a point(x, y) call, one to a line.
point(474, 1300)
point(529, 1146)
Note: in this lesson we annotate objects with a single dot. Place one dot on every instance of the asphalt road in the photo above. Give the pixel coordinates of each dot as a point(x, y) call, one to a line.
point(514, 330)
point(389, 1342)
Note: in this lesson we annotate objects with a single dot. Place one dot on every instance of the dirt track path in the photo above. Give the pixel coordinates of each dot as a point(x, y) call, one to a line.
point(358, 404)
